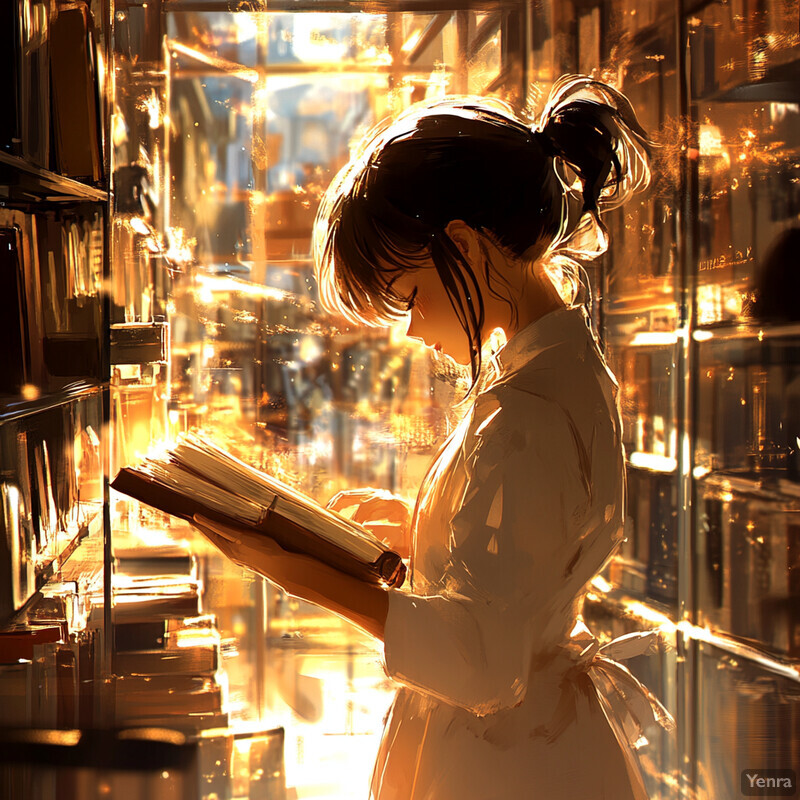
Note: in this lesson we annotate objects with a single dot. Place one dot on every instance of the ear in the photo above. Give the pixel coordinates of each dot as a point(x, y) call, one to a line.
point(465, 238)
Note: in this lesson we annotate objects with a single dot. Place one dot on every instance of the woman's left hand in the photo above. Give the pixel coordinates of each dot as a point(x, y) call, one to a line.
point(301, 575)
point(253, 551)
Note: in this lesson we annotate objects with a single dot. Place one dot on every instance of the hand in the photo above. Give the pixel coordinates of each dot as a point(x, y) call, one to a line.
point(254, 551)
point(385, 515)
point(300, 575)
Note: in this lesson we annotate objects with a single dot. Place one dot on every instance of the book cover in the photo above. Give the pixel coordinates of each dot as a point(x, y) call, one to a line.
point(198, 477)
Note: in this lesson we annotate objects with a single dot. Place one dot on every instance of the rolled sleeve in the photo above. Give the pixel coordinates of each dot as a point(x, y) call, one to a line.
point(512, 539)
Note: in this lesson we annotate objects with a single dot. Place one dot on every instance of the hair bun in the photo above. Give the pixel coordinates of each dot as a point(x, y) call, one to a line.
point(593, 128)
point(542, 139)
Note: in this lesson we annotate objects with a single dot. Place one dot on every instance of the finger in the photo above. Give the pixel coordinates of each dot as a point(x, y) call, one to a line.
point(240, 545)
point(216, 528)
point(349, 497)
point(390, 509)
point(223, 545)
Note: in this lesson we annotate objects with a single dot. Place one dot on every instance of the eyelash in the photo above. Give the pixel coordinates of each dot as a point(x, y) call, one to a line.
point(412, 300)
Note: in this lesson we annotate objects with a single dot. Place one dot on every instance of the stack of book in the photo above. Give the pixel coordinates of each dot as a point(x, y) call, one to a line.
point(166, 653)
point(47, 662)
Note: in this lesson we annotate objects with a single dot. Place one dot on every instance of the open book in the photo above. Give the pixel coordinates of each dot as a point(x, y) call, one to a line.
point(198, 477)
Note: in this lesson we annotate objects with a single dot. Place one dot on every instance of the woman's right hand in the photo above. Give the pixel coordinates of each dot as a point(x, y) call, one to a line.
point(385, 515)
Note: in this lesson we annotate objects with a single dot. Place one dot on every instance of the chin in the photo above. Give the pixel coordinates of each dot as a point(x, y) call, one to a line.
point(456, 354)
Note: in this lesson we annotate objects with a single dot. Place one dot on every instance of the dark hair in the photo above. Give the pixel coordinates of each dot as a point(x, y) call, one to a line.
point(779, 282)
point(472, 159)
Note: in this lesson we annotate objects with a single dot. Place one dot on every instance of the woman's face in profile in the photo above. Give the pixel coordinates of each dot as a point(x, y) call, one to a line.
point(432, 319)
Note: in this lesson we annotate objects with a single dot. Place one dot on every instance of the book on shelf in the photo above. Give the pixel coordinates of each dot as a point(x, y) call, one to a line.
point(167, 695)
point(70, 255)
point(17, 550)
point(35, 81)
point(18, 644)
point(198, 477)
point(190, 724)
point(15, 353)
point(10, 45)
point(17, 693)
point(75, 102)
point(51, 304)
point(143, 603)
point(25, 89)
point(155, 560)
point(48, 56)
point(193, 661)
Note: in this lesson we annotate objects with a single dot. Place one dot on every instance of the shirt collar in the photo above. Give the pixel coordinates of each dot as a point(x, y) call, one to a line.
point(553, 328)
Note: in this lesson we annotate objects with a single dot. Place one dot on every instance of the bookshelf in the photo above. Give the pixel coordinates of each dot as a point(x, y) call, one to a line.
point(22, 182)
point(699, 329)
point(54, 210)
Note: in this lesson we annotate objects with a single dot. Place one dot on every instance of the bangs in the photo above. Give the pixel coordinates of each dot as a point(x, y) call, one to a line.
point(356, 261)
point(361, 241)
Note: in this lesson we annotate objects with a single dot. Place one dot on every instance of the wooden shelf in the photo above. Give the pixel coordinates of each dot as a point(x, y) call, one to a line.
point(650, 614)
point(79, 558)
point(80, 561)
point(15, 407)
point(750, 330)
point(22, 182)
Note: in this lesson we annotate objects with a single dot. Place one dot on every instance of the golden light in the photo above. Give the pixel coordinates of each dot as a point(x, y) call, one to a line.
point(710, 141)
point(29, 391)
point(653, 462)
point(649, 338)
point(412, 40)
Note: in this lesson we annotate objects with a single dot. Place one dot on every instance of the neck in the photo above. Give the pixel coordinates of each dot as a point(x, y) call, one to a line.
point(539, 297)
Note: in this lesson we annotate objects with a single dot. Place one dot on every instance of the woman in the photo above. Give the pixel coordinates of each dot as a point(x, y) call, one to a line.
point(458, 216)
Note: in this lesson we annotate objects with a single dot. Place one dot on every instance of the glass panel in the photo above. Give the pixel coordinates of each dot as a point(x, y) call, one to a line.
point(257, 114)
point(745, 107)
point(648, 562)
point(747, 489)
point(747, 720)
point(742, 59)
point(640, 305)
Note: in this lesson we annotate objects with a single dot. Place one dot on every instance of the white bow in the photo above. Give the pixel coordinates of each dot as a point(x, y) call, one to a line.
point(629, 704)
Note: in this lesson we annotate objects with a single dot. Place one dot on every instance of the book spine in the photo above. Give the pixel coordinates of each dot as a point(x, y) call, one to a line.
point(10, 99)
point(388, 568)
point(35, 83)
point(75, 106)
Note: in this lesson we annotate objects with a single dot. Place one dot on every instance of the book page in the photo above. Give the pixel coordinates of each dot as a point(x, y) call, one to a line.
point(219, 467)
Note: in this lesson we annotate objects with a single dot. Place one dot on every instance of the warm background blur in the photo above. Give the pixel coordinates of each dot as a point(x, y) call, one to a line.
point(161, 162)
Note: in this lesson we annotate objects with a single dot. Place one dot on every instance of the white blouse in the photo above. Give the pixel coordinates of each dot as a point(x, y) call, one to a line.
point(505, 693)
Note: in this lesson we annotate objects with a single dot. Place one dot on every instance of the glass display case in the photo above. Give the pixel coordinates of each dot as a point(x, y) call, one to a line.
point(700, 331)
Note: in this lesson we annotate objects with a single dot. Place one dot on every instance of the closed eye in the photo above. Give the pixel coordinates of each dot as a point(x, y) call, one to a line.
point(412, 299)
